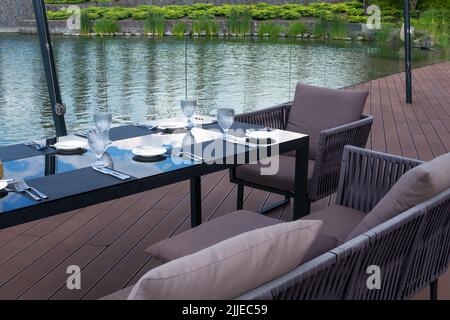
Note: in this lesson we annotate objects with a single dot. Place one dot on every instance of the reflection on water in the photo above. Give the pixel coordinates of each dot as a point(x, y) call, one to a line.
point(144, 78)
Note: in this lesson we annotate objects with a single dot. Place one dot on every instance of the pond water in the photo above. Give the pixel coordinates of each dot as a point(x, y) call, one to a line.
point(144, 78)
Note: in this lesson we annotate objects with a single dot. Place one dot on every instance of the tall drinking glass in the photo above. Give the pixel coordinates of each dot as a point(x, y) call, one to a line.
point(188, 107)
point(103, 121)
point(225, 118)
point(98, 141)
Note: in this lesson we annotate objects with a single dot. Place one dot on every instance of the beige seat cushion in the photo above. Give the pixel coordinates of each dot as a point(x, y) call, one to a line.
point(338, 222)
point(415, 186)
point(208, 234)
point(315, 109)
point(231, 267)
point(284, 180)
point(119, 295)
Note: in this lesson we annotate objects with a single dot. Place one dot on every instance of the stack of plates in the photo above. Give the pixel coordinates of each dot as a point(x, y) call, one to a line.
point(149, 153)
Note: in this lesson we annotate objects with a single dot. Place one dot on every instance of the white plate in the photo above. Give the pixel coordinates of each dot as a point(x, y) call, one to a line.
point(70, 145)
point(148, 151)
point(3, 185)
point(258, 135)
point(172, 125)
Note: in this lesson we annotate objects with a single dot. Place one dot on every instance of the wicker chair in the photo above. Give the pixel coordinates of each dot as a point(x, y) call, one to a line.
point(412, 250)
point(325, 175)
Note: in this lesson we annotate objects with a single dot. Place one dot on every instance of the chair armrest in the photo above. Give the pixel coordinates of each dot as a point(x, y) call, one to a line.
point(275, 117)
point(332, 141)
point(366, 176)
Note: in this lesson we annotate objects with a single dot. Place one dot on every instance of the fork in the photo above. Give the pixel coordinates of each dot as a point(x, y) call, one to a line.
point(19, 188)
point(27, 187)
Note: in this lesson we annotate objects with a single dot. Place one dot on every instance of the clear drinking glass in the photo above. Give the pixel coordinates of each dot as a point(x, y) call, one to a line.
point(98, 141)
point(188, 107)
point(103, 121)
point(225, 118)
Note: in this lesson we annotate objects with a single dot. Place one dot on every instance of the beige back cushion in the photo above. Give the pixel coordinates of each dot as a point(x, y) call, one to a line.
point(231, 267)
point(315, 109)
point(415, 186)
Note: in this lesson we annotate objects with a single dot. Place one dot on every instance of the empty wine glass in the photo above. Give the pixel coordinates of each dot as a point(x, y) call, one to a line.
point(98, 142)
point(103, 121)
point(188, 107)
point(225, 118)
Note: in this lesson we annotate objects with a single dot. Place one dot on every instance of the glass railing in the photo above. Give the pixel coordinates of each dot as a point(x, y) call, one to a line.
point(138, 78)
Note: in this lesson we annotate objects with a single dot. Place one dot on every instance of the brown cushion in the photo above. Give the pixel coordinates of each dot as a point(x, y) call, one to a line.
point(208, 234)
point(338, 222)
point(415, 186)
point(315, 109)
point(283, 180)
point(231, 267)
point(119, 295)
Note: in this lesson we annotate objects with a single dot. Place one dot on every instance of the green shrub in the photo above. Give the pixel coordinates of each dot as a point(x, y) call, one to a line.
point(356, 19)
point(179, 29)
point(290, 15)
point(58, 15)
point(269, 28)
point(154, 23)
point(106, 26)
point(117, 13)
point(296, 28)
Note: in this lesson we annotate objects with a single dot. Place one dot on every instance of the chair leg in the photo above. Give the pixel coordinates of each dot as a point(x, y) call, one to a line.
point(240, 196)
point(434, 290)
point(275, 205)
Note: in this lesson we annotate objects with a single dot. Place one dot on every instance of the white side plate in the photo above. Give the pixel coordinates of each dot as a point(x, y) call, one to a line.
point(70, 145)
point(148, 151)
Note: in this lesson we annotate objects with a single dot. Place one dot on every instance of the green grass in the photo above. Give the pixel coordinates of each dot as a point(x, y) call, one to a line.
point(239, 22)
point(321, 27)
point(269, 28)
point(85, 23)
point(154, 24)
point(337, 27)
point(205, 24)
point(296, 28)
point(106, 26)
point(179, 29)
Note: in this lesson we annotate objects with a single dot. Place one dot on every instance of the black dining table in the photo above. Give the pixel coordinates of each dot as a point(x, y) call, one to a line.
point(70, 182)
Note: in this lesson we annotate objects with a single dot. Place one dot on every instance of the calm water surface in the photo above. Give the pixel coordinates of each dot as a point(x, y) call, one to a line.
point(144, 78)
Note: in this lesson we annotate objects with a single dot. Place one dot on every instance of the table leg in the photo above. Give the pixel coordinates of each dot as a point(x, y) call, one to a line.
point(196, 202)
point(302, 205)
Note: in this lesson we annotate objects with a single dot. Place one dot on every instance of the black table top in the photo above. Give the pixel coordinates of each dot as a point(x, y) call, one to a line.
point(65, 177)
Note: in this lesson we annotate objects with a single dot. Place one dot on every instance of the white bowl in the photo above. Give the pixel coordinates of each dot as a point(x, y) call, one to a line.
point(149, 151)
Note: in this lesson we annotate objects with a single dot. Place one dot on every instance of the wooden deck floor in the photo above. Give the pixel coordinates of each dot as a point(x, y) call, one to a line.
point(108, 240)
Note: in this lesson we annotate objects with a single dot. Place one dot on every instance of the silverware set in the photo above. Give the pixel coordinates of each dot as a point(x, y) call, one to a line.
point(37, 146)
point(111, 172)
point(23, 187)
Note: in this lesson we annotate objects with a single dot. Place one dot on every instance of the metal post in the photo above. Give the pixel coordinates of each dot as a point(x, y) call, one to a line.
point(58, 108)
point(408, 62)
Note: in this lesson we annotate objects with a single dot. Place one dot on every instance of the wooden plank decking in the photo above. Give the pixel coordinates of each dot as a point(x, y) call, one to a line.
point(108, 240)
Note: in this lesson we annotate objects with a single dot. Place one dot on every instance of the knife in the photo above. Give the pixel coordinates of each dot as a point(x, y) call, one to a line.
point(119, 175)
